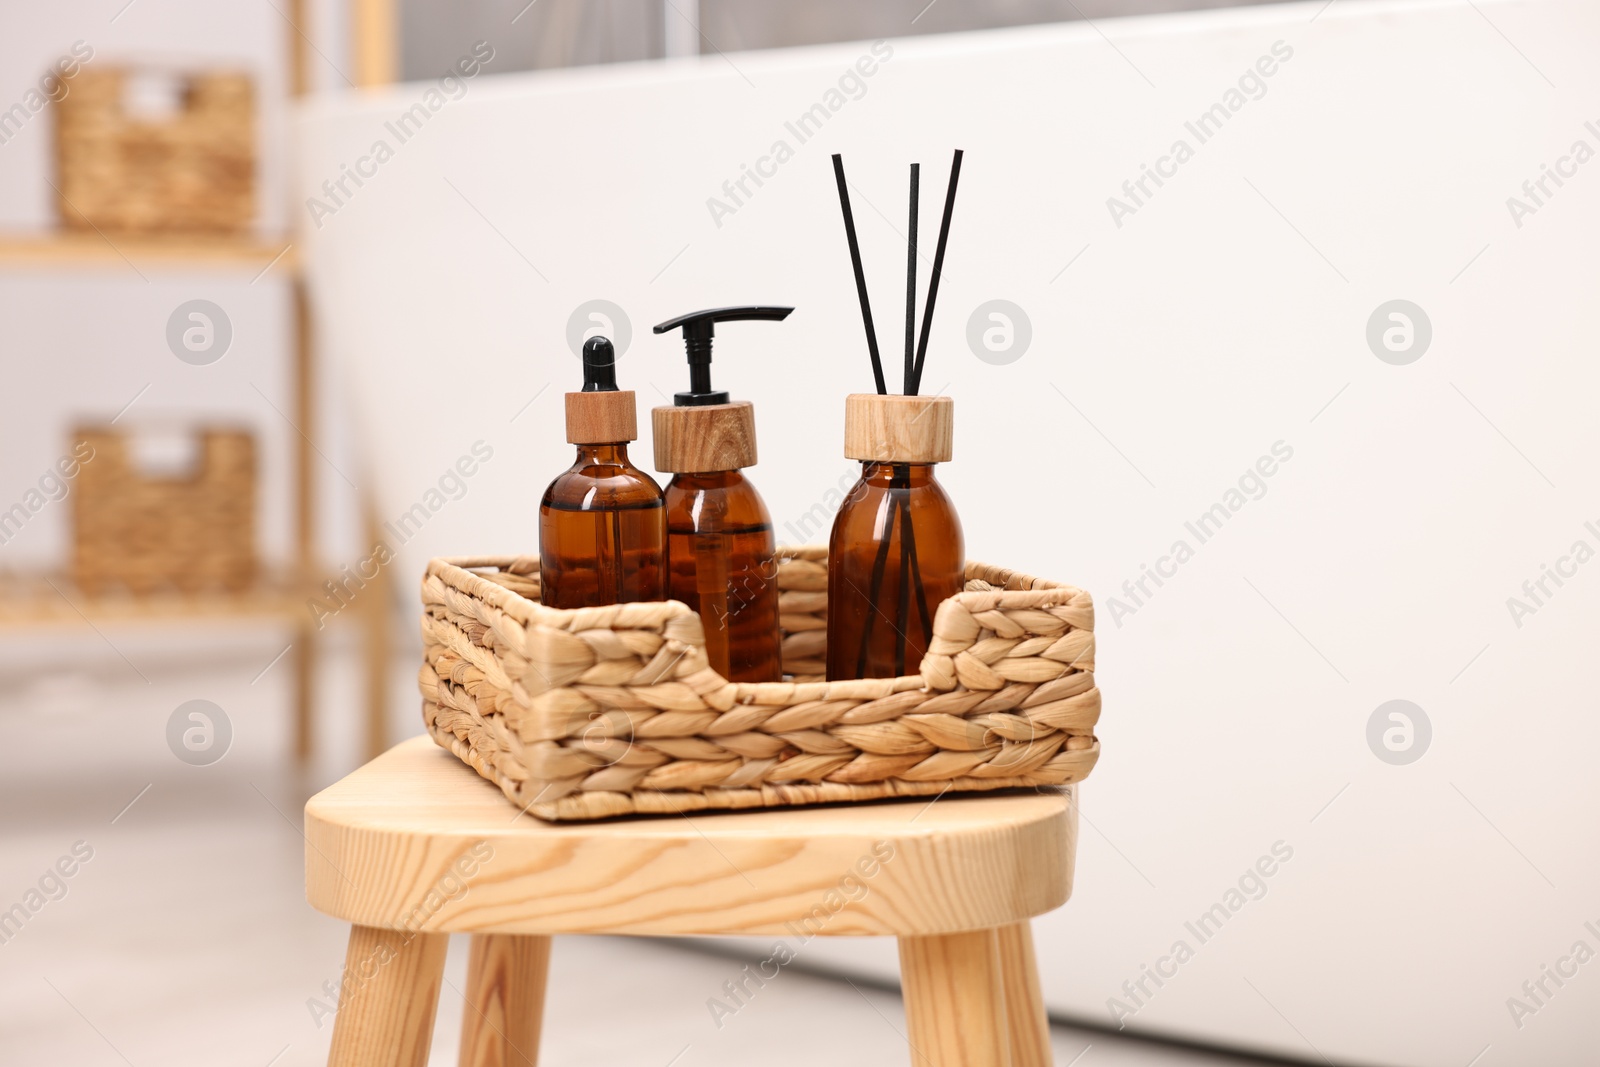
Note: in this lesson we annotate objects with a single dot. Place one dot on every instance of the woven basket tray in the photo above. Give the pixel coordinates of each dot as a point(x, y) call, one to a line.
point(606, 711)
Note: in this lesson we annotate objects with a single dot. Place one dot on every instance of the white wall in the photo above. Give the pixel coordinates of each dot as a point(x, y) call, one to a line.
point(1168, 354)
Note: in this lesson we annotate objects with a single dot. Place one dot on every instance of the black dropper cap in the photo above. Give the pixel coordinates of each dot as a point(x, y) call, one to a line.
point(599, 366)
point(698, 329)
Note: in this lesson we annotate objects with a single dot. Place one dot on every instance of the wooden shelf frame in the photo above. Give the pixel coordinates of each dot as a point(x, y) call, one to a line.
point(72, 249)
point(37, 600)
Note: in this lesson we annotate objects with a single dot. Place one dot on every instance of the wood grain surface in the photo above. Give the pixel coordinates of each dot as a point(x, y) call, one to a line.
point(1026, 1019)
point(415, 840)
point(506, 977)
point(697, 440)
point(955, 1000)
point(602, 418)
point(899, 429)
point(387, 998)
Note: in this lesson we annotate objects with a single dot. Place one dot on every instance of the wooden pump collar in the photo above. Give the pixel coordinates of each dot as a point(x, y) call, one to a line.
point(704, 438)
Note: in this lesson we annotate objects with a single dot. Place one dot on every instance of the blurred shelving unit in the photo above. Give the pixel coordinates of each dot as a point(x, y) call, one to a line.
point(43, 600)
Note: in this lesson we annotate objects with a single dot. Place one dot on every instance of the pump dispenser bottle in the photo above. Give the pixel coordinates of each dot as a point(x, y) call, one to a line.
point(602, 524)
point(721, 547)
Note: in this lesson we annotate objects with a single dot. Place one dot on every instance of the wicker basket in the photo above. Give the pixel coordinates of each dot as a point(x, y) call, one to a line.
point(194, 171)
point(195, 532)
point(605, 711)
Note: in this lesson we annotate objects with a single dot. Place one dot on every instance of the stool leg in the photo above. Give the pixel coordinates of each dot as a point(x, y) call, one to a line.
point(505, 1000)
point(387, 999)
point(1025, 1015)
point(955, 1002)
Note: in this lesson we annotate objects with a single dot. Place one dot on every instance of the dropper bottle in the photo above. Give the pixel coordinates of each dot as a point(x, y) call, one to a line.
point(602, 523)
point(721, 547)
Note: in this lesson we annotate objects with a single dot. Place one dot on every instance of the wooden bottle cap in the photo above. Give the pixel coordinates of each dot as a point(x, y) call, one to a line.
point(601, 418)
point(898, 429)
point(710, 437)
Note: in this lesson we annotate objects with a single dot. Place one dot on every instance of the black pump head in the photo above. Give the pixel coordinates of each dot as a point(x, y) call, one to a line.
point(698, 329)
point(599, 366)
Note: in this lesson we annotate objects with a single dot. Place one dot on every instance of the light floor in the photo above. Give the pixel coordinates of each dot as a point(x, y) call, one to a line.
point(186, 939)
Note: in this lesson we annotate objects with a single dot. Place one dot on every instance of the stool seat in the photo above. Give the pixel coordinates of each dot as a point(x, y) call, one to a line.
point(416, 840)
point(415, 846)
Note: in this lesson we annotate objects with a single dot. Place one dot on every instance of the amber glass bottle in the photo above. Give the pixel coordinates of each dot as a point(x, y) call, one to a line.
point(896, 551)
point(720, 540)
point(602, 523)
point(721, 547)
point(602, 532)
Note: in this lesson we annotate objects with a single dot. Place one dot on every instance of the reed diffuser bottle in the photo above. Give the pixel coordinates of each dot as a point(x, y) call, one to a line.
point(720, 542)
point(602, 523)
point(896, 551)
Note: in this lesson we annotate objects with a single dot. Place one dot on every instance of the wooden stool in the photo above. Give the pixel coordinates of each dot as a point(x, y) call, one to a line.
point(415, 846)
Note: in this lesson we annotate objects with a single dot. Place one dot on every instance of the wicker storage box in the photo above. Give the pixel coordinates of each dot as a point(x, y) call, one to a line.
point(192, 171)
point(605, 711)
point(145, 532)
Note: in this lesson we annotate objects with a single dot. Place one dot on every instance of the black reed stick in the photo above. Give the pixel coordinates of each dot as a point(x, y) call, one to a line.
point(899, 499)
point(911, 284)
point(878, 566)
point(861, 279)
point(910, 534)
point(938, 265)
